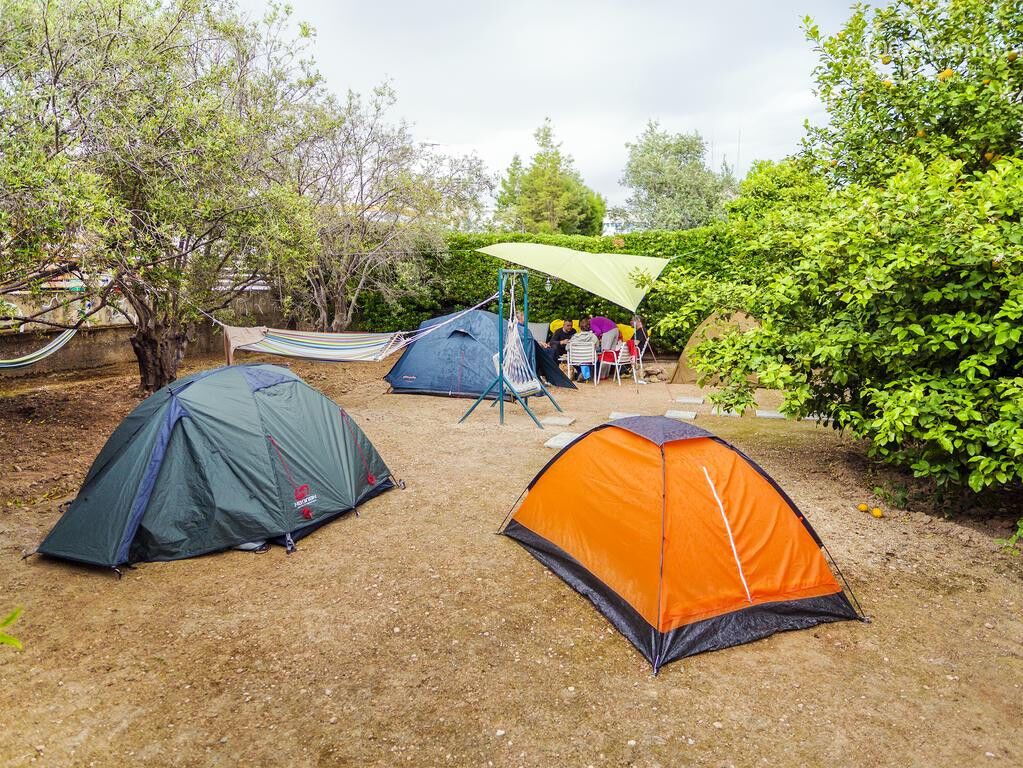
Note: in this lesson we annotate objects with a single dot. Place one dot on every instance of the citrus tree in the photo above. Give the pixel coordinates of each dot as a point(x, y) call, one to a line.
point(926, 78)
point(901, 321)
point(893, 298)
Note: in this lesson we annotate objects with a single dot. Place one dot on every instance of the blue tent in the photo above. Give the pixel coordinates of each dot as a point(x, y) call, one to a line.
point(458, 359)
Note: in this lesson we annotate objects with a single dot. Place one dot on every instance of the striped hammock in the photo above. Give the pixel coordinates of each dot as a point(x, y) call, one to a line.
point(34, 357)
point(329, 347)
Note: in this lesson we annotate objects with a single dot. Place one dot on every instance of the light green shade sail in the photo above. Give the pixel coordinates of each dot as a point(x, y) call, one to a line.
point(608, 275)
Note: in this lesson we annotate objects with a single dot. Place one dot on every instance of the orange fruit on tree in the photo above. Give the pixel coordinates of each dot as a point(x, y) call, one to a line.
point(887, 83)
point(1012, 56)
point(989, 155)
point(920, 133)
point(886, 59)
point(945, 74)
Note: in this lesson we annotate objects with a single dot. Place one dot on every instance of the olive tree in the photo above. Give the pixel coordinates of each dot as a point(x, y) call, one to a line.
point(671, 186)
point(381, 201)
point(166, 119)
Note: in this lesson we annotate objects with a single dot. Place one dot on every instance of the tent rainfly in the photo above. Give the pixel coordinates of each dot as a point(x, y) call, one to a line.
point(681, 540)
point(222, 458)
point(458, 361)
point(608, 275)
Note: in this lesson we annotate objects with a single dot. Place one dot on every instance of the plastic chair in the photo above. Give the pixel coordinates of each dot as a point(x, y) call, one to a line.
point(621, 358)
point(583, 354)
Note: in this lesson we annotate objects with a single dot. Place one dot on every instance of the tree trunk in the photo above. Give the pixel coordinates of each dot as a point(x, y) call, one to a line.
point(159, 350)
point(341, 320)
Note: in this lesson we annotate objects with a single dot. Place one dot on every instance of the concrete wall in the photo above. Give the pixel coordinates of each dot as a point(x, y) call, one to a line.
point(96, 346)
point(90, 348)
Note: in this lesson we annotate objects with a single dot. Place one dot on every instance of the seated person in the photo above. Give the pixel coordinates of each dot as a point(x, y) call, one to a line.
point(558, 344)
point(540, 335)
point(585, 337)
point(605, 330)
point(640, 337)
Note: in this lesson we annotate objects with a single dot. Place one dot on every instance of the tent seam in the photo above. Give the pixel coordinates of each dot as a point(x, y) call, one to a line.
point(728, 529)
point(660, 575)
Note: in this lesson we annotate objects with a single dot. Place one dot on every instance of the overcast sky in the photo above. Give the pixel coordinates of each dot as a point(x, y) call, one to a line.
point(480, 76)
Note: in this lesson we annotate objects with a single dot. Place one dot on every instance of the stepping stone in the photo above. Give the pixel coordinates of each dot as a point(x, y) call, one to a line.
point(681, 415)
point(689, 400)
point(560, 440)
point(622, 415)
point(813, 417)
point(718, 412)
point(770, 414)
point(558, 421)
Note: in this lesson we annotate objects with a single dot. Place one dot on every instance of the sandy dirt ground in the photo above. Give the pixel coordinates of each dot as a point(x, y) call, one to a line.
point(412, 635)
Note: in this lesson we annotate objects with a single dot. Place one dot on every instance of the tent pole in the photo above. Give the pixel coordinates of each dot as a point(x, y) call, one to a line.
point(500, 341)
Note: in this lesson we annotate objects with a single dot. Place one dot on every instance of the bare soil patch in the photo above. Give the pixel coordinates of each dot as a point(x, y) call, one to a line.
point(411, 635)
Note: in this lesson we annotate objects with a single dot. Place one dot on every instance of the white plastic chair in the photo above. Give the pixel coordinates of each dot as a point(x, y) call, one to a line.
point(583, 354)
point(622, 358)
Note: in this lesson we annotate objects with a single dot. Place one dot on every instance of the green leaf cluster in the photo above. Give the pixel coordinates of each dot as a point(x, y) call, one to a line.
point(671, 185)
point(925, 78)
point(8, 620)
point(548, 196)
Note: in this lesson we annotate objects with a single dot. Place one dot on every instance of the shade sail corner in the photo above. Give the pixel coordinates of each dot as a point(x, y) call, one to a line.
point(608, 275)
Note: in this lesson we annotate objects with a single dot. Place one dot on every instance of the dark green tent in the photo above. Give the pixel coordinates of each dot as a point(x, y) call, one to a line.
point(215, 460)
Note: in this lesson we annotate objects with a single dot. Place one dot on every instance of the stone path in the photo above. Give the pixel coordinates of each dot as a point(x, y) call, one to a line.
point(681, 415)
point(560, 440)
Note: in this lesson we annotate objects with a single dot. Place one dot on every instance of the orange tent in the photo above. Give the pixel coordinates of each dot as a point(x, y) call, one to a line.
point(678, 538)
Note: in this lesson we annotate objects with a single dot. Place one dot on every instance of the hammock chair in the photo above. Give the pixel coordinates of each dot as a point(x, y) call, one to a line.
point(40, 354)
point(511, 364)
point(517, 372)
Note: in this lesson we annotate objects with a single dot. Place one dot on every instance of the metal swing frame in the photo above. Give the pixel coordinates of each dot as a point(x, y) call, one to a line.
point(506, 277)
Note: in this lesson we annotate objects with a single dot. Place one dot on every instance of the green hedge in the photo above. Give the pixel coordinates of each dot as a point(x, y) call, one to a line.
point(463, 276)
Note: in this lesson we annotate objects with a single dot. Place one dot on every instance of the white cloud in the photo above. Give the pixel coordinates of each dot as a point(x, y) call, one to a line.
point(481, 76)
